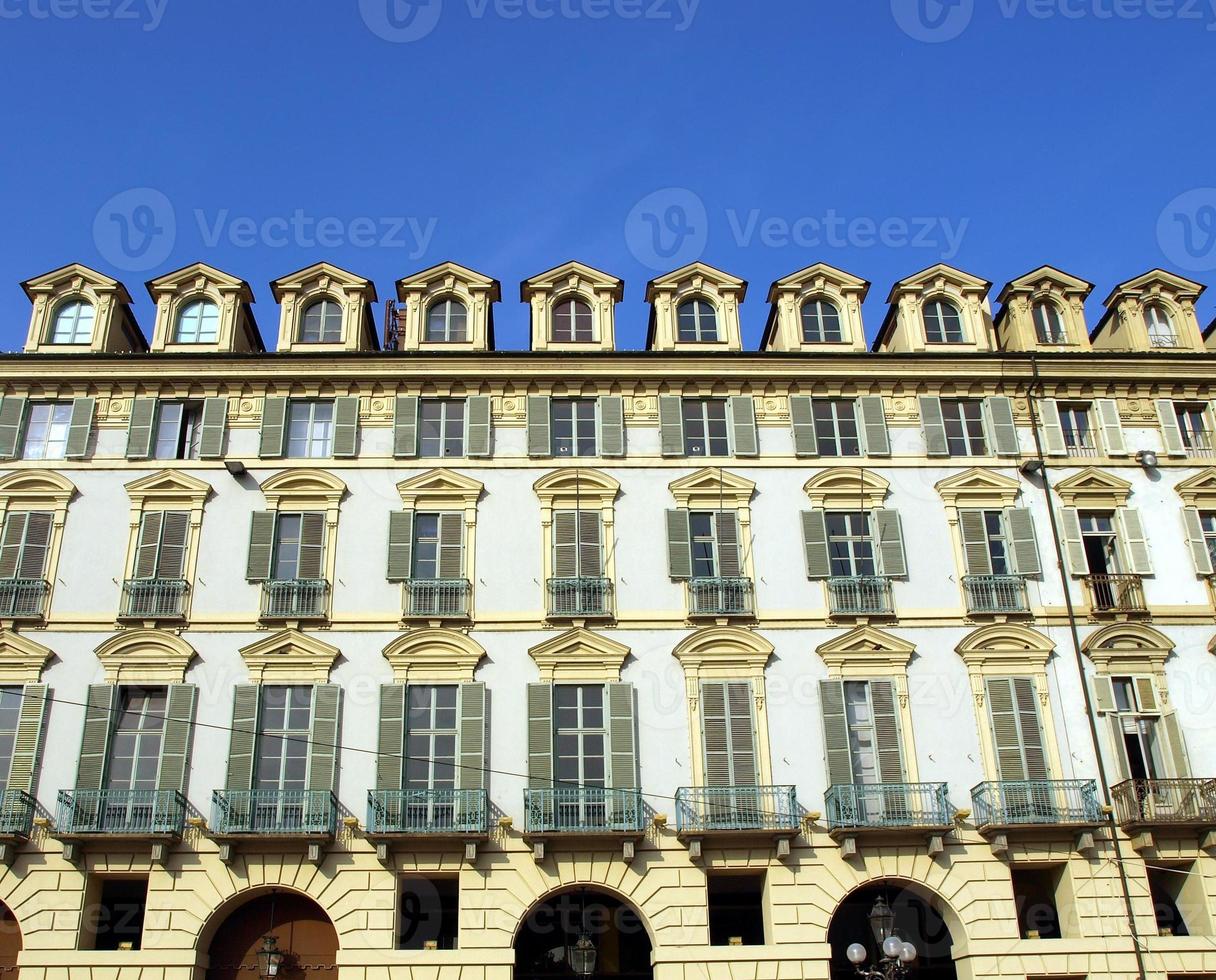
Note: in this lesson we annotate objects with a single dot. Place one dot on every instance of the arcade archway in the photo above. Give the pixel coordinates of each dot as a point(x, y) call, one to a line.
point(919, 919)
point(300, 926)
point(622, 944)
point(10, 942)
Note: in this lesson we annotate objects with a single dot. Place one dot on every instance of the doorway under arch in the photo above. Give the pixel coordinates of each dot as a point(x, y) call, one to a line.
point(300, 925)
point(918, 919)
point(622, 943)
point(10, 941)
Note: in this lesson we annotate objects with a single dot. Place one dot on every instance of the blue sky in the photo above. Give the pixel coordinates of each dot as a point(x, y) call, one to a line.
point(510, 135)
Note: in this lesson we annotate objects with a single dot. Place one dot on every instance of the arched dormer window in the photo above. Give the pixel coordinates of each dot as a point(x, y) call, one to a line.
point(198, 323)
point(1160, 325)
point(821, 322)
point(73, 323)
point(697, 321)
point(1048, 323)
point(943, 322)
point(572, 322)
point(322, 323)
point(447, 322)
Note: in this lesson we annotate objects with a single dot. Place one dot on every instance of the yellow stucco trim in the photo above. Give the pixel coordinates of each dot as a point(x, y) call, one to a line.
point(847, 488)
point(1199, 490)
point(697, 280)
point(1092, 487)
point(289, 657)
point(579, 655)
point(21, 659)
point(145, 656)
point(434, 655)
point(42, 489)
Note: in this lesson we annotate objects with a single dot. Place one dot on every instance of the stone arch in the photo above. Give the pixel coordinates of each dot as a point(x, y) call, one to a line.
point(223, 913)
point(1127, 637)
point(1010, 638)
point(11, 940)
point(573, 888)
point(723, 641)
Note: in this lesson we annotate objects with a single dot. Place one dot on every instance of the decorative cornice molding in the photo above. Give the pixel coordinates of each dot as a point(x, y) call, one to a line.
point(289, 657)
point(579, 655)
point(434, 655)
point(21, 659)
point(145, 656)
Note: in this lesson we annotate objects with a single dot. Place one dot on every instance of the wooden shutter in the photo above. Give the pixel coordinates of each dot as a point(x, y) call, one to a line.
point(892, 558)
point(400, 545)
point(346, 426)
point(730, 557)
point(177, 736)
point(540, 441)
point(451, 544)
point(80, 428)
point(886, 732)
point(274, 427)
point(974, 533)
point(477, 426)
point(1112, 426)
point(715, 735)
point(471, 735)
point(139, 429)
point(1179, 762)
point(1133, 542)
point(27, 744)
point(728, 733)
point(147, 550)
point(1195, 537)
point(1022, 541)
point(873, 416)
point(1104, 694)
point(261, 545)
point(12, 543)
point(1010, 762)
point(12, 414)
point(1026, 701)
point(390, 743)
point(215, 426)
point(540, 736)
point(312, 545)
point(671, 425)
point(1052, 428)
point(37, 546)
point(405, 426)
point(611, 420)
point(622, 740)
point(1119, 747)
point(836, 733)
point(174, 535)
point(933, 425)
point(1146, 695)
point(802, 418)
point(323, 750)
point(565, 544)
point(1171, 434)
point(679, 545)
point(242, 739)
point(815, 544)
point(1001, 427)
point(1074, 546)
point(590, 545)
point(745, 438)
point(101, 707)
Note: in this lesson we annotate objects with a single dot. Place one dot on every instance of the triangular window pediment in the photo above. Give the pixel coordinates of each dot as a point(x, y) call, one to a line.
point(978, 487)
point(288, 657)
point(579, 654)
point(710, 487)
point(1199, 490)
point(868, 650)
point(1095, 487)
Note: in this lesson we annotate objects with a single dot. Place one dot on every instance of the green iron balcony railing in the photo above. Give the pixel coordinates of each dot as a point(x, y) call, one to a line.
point(427, 811)
point(23, 598)
point(437, 598)
point(888, 805)
point(1163, 802)
point(154, 598)
point(274, 812)
point(720, 596)
point(1030, 802)
point(583, 810)
point(121, 811)
point(860, 595)
point(16, 813)
point(579, 597)
point(300, 598)
point(995, 594)
point(1116, 593)
point(701, 808)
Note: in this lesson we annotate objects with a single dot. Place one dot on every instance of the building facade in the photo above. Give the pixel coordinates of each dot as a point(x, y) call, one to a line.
point(429, 659)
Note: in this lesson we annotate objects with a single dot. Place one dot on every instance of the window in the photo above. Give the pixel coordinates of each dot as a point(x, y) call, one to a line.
point(429, 913)
point(862, 731)
point(573, 427)
point(73, 323)
point(821, 322)
point(964, 421)
point(706, 432)
point(310, 429)
point(697, 321)
point(438, 550)
point(441, 428)
point(284, 730)
point(198, 323)
point(1135, 725)
point(1165, 886)
point(572, 322)
point(163, 538)
point(135, 750)
point(1048, 324)
point(1078, 430)
point(836, 429)
point(322, 323)
point(1035, 895)
point(447, 322)
point(1101, 542)
point(179, 430)
point(1207, 520)
point(298, 546)
point(1160, 326)
point(115, 918)
point(25, 544)
point(850, 544)
point(1193, 425)
point(580, 735)
point(943, 323)
point(46, 430)
point(11, 698)
point(998, 546)
point(736, 909)
point(430, 727)
point(703, 533)
point(859, 717)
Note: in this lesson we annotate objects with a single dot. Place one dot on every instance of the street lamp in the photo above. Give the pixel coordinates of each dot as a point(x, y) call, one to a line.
point(897, 955)
point(582, 954)
point(270, 958)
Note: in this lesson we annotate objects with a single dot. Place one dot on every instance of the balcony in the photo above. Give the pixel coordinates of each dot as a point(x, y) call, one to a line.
point(1111, 594)
point(120, 812)
point(1162, 339)
point(720, 597)
point(701, 809)
point(889, 806)
point(579, 598)
point(1198, 445)
point(23, 598)
point(990, 595)
point(1165, 803)
point(16, 813)
point(437, 598)
point(154, 598)
point(1036, 803)
point(860, 595)
point(300, 598)
point(274, 812)
point(427, 811)
point(583, 810)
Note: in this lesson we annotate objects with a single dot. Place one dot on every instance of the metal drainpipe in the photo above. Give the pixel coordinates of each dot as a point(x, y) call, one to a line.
point(1037, 385)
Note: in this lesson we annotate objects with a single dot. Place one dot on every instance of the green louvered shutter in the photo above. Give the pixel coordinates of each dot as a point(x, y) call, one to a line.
point(886, 732)
point(174, 535)
point(346, 426)
point(261, 545)
point(274, 427)
point(1053, 430)
point(400, 545)
point(540, 736)
point(1146, 694)
point(1119, 747)
point(974, 533)
point(451, 544)
point(175, 741)
point(147, 550)
point(815, 544)
point(1112, 426)
point(933, 424)
point(679, 545)
point(1010, 760)
point(312, 545)
point(1192, 520)
point(1104, 694)
point(12, 414)
point(836, 733)
point(27, 744)
point(477, 426)
point(730, 553)
point(874, 425)
point(100, 711)
point(671, 425)
point(215, 428)
point(1171, 433)
point(565, 544)
point(471, 718)
point(12, 543)
point(622, 738)
point(1023, 543)
point(728, 734)
point(242, 739)
point(139, 429)
point(611, 421)
point(1074, 545)
point(745, 437)
point(405, 427)
point(37, 545)
point(80, 428)
point(802, 419)
point(1001, 426)
point(323, 752)
point(390, 744)
point(539, 440)
point(1179, 761)
point(1134, 542)
point(1030, 726)
point(892, 558)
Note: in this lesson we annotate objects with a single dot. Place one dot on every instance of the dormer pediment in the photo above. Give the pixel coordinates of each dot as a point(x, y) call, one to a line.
point(978, 487)
point(1043, 310)
point(712, 488)
point(1095, 488)
point(940, 277)
point(816, 309)
point(1157, 281)
point(1152, 312)
point(447, 307)
point(77, 309)
point(573, 307)
point(940, 309)
point(325, 308)
point(200, 308)
point(695, 307)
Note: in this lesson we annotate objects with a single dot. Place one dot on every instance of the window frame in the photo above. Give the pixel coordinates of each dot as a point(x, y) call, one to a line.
point(828, 427)
point(854, 543)
point(696, 306)
point(965, 427)
point(147, 736)
point(938, 309)
point(76, 304)
point(572, 307)
point(1049, 328)
point(189, 436)
point(324, 303)
point(297, 738)
point(311, 440)
point(53, 425)
point(209, 312)
point(819, 321)
point(446, 408)
point(583, 432)
point(708, 441)
point(449, 304)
